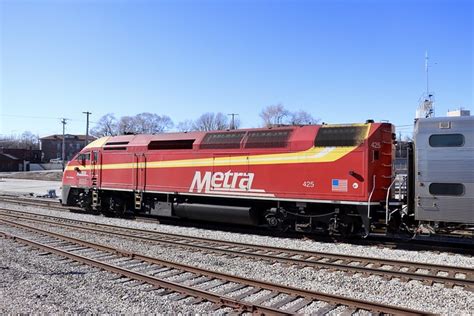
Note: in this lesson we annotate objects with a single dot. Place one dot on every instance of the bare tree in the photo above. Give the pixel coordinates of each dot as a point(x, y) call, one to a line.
point(186, 126)
point(301, 118)
point(106, 126)
point(211, 122)
point(149, 123)
point(274, 115)
point(127, 125)
point(27, 140)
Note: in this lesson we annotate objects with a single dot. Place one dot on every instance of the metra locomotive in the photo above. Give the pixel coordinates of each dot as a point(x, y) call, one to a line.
point(315, 178)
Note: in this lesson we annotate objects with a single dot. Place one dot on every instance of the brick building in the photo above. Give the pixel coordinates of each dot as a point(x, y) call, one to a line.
point(30, 155)
point(10, 163)
point(51, 146)
point(18, 159)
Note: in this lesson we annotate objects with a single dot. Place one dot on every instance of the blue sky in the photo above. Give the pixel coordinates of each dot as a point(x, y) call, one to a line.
point(342, 61)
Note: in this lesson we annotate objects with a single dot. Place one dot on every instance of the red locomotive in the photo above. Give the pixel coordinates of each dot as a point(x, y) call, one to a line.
point(307, 178)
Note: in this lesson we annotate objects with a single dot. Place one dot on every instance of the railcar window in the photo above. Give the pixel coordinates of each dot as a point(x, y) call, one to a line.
point(171, 144)
point(268, 139)
point(329, 136)
point(447, 140)
point(225, 140)
point(455, 189)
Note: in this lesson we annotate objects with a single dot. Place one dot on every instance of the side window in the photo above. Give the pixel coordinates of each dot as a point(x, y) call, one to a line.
point(454, 189)
point(447, 140)
point(95, 156)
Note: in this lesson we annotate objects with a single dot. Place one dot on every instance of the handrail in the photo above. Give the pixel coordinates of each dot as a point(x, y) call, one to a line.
point(386, 199)
point(370, 196)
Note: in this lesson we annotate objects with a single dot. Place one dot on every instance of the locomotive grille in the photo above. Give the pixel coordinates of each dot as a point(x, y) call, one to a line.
point(268, 139)
point(329, 136)
point(222, 140)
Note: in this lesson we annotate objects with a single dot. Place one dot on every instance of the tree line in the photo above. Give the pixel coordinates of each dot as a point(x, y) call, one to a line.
point(151, 123)
point(26, 140)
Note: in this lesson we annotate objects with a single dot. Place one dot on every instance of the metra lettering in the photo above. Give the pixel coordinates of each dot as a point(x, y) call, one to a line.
point(232, 181)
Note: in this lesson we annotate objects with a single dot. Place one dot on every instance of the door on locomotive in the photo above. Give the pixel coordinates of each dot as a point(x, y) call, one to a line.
point(87, 172)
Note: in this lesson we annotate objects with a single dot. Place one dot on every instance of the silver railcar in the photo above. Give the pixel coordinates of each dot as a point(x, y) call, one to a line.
point(444, 169)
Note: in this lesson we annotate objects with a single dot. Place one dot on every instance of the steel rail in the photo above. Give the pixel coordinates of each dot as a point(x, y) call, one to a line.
point(209, 296)
point(468, 282)
point(297, 292)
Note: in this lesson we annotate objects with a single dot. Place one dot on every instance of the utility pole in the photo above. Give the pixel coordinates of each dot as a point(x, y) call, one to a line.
point(63, 156)
point(232, 122)
point(87, 128)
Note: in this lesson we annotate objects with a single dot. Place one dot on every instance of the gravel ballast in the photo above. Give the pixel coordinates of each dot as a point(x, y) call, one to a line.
point(435, 299)
point(31, 283)
point(290, 243)
point(413, 294)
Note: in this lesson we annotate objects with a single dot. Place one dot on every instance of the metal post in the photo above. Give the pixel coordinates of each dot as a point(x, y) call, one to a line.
point(232, 122)
point(87, 128)
point(63, 156)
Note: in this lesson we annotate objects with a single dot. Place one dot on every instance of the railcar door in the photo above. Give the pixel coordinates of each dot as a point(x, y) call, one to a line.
point(140, 172)
point(139, 178)
point(95, 168)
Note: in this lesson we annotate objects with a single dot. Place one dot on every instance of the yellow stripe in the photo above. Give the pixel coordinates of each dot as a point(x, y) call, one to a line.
point(312, 155)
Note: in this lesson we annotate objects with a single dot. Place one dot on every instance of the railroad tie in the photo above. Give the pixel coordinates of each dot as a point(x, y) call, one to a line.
point(194, 301)
point(246, 293)
point(326, 309)
point(297, 306)
point(212, 285)
point(234, 288)
point(178, 297)
point(348, 311)
point(283, 302)
point(199, 280)
point(264, 298)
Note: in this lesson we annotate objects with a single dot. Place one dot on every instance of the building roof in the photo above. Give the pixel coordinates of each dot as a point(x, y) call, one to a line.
point(9, 156)
point(67, 136)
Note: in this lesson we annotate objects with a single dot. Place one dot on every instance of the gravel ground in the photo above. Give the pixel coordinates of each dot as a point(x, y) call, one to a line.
point(45, 175)
point(31, 283)
point(339, 248)
point(414, 294)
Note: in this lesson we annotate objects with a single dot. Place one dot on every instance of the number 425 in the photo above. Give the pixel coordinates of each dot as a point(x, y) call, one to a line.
point(308, 184)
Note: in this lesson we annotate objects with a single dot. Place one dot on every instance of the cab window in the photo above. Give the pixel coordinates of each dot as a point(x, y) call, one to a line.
point(84, 157)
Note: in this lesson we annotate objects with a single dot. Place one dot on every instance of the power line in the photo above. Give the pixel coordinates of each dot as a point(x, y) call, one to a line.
point(43, 118)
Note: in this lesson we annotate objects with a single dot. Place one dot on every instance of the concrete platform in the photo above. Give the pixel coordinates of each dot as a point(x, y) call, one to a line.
point(25, 187)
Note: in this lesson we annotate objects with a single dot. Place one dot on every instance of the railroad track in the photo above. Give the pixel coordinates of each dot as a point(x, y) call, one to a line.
point(187, 281)
point(461, 245)
point(52, 204)
point(429, 274)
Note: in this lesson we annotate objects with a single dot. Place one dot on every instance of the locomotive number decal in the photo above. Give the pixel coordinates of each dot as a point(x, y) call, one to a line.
point(225, 182)
point(308, 184)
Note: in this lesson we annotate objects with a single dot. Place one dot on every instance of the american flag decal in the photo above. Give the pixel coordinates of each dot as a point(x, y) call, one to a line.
point(339, 185)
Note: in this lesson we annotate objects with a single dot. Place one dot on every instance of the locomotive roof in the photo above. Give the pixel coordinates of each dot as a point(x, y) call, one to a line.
point(298, 136)
point(145, 139)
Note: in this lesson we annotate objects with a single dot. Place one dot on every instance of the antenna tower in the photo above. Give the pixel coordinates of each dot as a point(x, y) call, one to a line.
point(426, 108)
